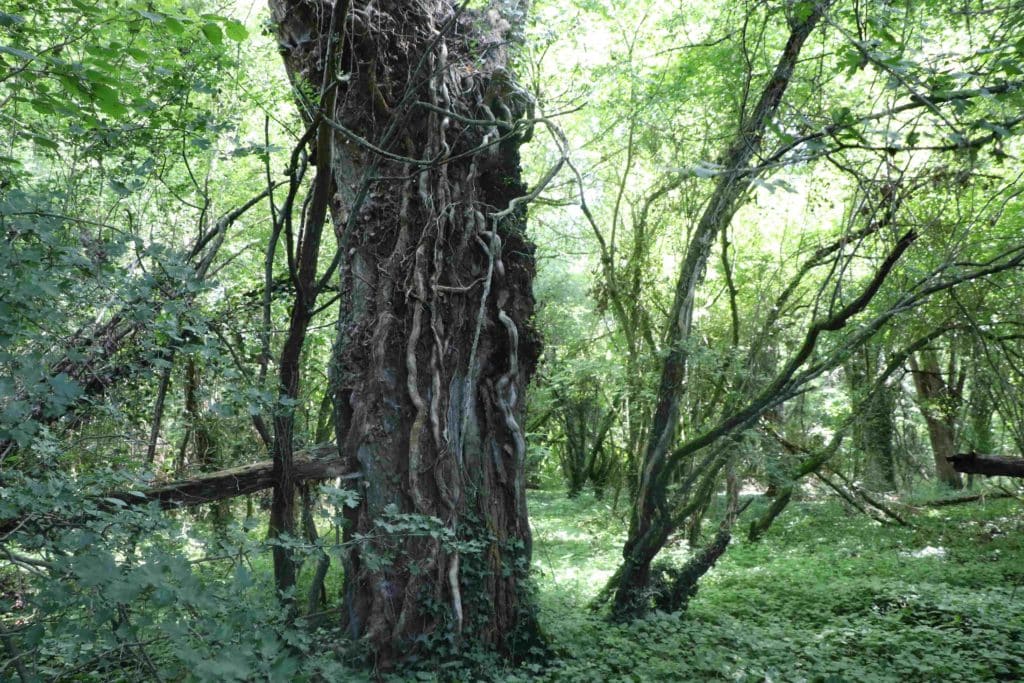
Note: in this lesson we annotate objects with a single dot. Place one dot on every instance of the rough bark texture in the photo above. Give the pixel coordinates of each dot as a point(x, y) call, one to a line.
point(934, 398)
point(873, 430)
point(434, 343)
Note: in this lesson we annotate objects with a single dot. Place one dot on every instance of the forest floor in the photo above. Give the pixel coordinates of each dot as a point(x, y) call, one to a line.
point(828, 595)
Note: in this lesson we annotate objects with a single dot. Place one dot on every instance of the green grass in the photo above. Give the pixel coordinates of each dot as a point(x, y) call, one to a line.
point(825, 596)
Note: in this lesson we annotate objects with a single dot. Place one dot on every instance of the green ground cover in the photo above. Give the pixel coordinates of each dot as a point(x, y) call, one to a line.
point(827, 596)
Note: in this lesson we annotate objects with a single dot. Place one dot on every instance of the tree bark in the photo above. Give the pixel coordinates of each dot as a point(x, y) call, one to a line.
point(434, 345)
point(873, 428)
point(934, 397)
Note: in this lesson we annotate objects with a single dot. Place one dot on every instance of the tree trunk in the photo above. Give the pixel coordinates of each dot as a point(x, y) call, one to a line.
point(652, 519)
point(434, 345)
point(934, 398)
point(873, 427)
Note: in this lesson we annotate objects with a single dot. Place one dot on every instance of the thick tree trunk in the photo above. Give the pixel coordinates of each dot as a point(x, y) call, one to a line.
point(934, 398)
point(434, 345)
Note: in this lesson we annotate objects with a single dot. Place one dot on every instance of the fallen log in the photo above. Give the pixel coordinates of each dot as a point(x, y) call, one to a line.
point(990, 465)
point(316, 463)
point(311, 464)
point(945, 502)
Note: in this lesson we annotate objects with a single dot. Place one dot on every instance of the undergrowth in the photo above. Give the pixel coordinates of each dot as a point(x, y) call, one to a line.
point(826, 596)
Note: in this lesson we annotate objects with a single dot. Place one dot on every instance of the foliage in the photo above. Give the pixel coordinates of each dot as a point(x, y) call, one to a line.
point(828, 596)
point(146, 286)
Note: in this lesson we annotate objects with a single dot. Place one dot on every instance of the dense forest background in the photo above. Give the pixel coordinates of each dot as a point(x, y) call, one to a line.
point(304, 305)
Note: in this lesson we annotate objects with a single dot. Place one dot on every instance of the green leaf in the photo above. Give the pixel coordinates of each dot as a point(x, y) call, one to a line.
point(120, 188)
point(72, 85)
point(213, 33)
point(236, 31)
point(42, 106)
point(107, 100)
point(802, 11)
point(45, 142)
point(20, 54)
point(64, 387)
point(96, 568)
point(174, 25)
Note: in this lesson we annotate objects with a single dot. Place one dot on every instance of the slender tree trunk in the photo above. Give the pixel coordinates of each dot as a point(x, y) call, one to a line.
point(652, 520)
point(158, 411)
point(982, 406)
point(434, 345)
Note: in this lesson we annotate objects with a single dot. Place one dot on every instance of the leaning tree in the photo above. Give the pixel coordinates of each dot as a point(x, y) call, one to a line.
point(413, 127)
point(925, 134)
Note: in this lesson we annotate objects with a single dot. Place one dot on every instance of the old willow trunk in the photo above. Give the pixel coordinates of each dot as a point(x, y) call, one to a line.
point(434, 344)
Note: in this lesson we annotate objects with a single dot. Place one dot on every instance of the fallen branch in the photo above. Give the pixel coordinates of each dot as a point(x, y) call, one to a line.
point(944, 502)
point(989, 465)
point(316, 463)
